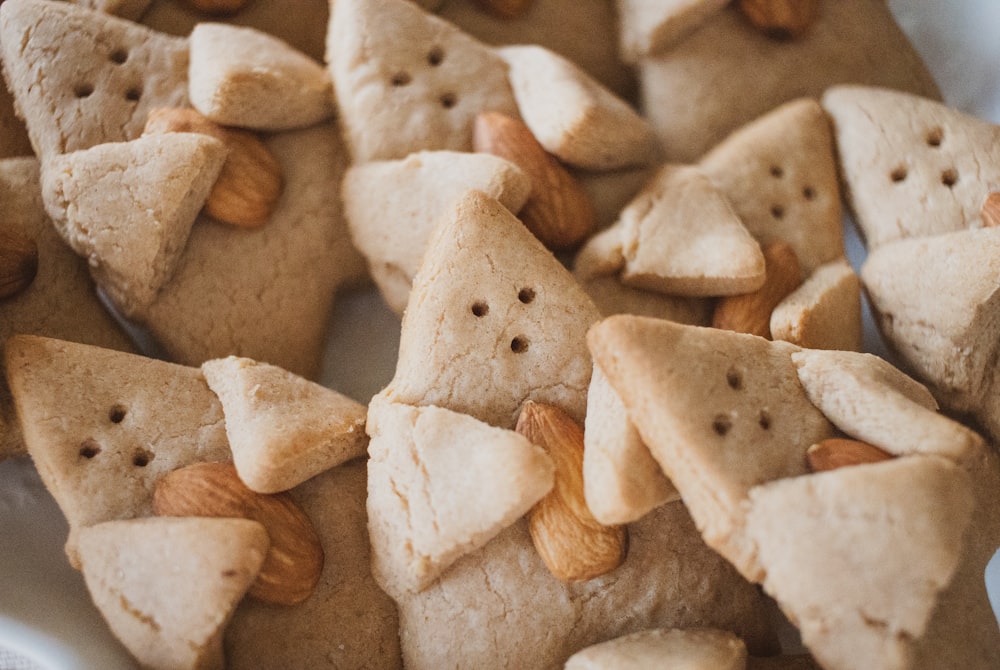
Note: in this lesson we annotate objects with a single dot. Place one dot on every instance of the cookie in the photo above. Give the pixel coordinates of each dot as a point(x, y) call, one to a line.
point(731, 72)
point(103, 201)
point(247, 78)
point(690, 649)
point(649, 27)
point(407, 81)
point(109, 72)
point(824, 312)
point(573, 116)
point(283, 429)
point(168, 586)
point(60, 301)
point(123, 421)
point(392, 206)
point(440, 485)
point(911, 166)
point(721, 412)
point(490, 298)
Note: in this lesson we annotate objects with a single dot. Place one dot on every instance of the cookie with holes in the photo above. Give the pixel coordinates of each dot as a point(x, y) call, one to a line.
point(52, 293)
point(692, 649)
point(737, 71)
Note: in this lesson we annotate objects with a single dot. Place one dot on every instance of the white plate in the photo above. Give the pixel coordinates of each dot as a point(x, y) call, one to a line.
point(45, 613)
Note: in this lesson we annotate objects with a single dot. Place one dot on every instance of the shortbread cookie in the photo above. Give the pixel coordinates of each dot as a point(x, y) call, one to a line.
point(102, 426)
point(896, 525)
point(872, 401)
point(935, 299)
point(573, 116)
point(247, 78)
point(621, 479)
point(648, 27)
point(283, 429)
point(730, 72)
point(406, 80)
point(348, 622)
point(684, 649)
point(824, 312)
point(108, 71)
point(720, 411)
point(780, 174)
point(680, 236)
point(60, 301)
point(490, 298)
point(168, 586)
point(911, 166)
point(440, 485)
point(128, 208)
point(528, 618)
point(392, 207)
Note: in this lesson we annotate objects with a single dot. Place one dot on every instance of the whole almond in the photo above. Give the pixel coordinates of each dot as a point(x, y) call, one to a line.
point(781, 19)
point(250, 182)
point(294, 562)
point(991, 210)
point(571, 542)
point(751, 312)
point(218, 7)
point(506, 9)
point(837, 452)
point(558, 211)
point(18, 263)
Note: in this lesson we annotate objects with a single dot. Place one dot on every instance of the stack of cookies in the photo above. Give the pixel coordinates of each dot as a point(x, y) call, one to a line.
point(630, 423)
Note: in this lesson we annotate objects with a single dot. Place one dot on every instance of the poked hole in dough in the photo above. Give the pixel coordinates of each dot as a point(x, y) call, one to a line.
point(142, 457)
point(479, 309)
point(526, 295)
point(520, 344)
point(83, 90)
point(777, 211)
point(118, 56)
point(764, 419)
point(133, 94)
point(89, 448)
point(448, 100)
point(117, 414)
point(949, 177)
point(435, 56)
point(898, 174)
point(722, 424)
point(809, 193)
point(935, 136)
point(735, 379)
point(777, 171)
point(401, 79)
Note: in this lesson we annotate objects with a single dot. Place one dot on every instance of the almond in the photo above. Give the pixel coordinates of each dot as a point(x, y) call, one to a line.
point(295, 560)
point(571, 542)
point(218, 7)
point(991, 210)
point(18, 263)
point(250, 183)
point(837, 452)
point(781, 19)
point(751, 312)
point(559, 211)
point(506, 9)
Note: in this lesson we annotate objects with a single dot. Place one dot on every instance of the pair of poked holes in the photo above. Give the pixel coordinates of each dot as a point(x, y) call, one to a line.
point(934, 140)
point(434, 58)
point(90, 448)
point(723, 423)
point(808, 192)
point(118, 57)
point(525, 296)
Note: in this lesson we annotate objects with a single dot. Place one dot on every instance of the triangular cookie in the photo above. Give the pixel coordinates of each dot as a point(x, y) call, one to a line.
point(874, 402)
point(651, 26)
point(406, 80)
point(493, 320)
point(102, 426)
point(60, 301)
point(392, 207)
point(720, 411)
point(911, 166)
point(282, 428)
point(440, 485)
point(780, 174)
point(680, 236)
point(128, 207)
point(683, 649)
point(168, 586)
point(857, 556)
point(108, 71)
point(936, 301)
point(244, 77)
point(573, 116)
point(824, 312)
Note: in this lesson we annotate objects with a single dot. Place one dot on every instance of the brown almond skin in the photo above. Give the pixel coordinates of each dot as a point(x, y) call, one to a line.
point(781, 19)
point(294, 562)
point(18, 263)
point(990, 210)
point(506, 9)
point(837, 452)
point(250, 182)
point(558, 211)
point(751, 312)
point(572, 543)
